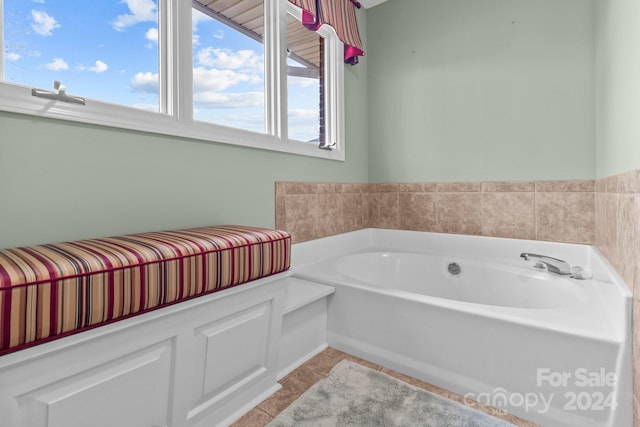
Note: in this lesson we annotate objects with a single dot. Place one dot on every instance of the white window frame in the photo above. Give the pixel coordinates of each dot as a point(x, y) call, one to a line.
point(176, 94)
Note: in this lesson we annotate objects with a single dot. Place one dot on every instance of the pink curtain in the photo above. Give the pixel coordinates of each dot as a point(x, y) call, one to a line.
point(341, 15)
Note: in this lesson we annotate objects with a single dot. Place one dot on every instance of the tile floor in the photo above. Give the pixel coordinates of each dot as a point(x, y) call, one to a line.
point(312, 371)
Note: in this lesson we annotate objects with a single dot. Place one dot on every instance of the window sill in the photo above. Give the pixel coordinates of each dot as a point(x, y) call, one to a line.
point(18, 99)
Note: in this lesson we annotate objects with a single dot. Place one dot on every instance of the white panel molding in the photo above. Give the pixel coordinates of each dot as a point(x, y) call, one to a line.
point(134, 386)
point(146, 370)
point(221, 368)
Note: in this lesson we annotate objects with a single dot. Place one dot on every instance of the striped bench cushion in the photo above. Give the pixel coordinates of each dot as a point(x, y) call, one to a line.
point(50, 291)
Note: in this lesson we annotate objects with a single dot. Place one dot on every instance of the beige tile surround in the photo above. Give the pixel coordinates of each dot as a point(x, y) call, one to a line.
point(617, 234)
point(604, 212)
point(543, 210)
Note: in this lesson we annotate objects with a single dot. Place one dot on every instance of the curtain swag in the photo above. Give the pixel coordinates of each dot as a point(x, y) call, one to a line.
point(339, 14)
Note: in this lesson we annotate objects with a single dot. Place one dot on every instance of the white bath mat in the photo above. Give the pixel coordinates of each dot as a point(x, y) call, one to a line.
point(354, 395)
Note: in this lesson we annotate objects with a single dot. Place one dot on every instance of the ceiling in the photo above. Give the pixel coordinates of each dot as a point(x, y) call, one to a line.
point(370, 3)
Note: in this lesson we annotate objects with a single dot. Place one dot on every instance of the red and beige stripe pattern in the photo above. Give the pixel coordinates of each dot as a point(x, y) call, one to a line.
point(341, 15)
point(50, 291)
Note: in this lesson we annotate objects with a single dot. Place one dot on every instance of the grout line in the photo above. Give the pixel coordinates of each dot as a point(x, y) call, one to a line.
point(535, 213)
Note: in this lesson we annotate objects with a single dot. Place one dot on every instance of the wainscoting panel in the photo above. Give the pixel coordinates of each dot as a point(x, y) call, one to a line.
point(134, 386)
point(222, 368)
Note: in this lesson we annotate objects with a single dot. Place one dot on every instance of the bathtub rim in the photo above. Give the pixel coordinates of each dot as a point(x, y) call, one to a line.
point(305, 254)
point(518, 271)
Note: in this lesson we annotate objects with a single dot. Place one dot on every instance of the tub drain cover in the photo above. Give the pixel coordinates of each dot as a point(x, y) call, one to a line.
point(454, 268)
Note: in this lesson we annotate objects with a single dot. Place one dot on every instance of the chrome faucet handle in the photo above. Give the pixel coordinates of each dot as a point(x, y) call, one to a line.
point(540, 265)
point(554, 265)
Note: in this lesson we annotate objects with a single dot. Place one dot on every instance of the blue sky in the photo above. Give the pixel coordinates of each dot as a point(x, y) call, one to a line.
point(108, 50)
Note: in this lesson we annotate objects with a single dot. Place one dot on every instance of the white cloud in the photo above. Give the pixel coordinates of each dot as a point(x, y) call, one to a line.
point(99, 67)
point(230, 68)
point(38, 1)
point(228, 100)
point(197, 17)
point(229, 59)
point(152, 35)
point(303, 115)
point(304, 124)
point(302, 120)
point(216, 80)
point(141, 11)
point(302, 81)
point(12, 56)
point(145, 82)
point(43, 24)
point(58, 64)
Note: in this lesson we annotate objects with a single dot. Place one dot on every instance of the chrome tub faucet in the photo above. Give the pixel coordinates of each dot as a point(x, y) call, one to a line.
point(553, 265)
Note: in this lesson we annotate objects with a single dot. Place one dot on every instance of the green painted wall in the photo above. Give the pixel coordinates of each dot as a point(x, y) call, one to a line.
point(449, 91)
point(481, 90)
point(618, 86)
point(64, 181)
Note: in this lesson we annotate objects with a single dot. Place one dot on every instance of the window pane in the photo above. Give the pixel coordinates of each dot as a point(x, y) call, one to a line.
point(105, 50)
point(228, 64)
point(305, 83)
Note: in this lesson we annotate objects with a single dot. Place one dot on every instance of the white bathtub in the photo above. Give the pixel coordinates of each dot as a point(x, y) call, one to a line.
point(548, 348)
